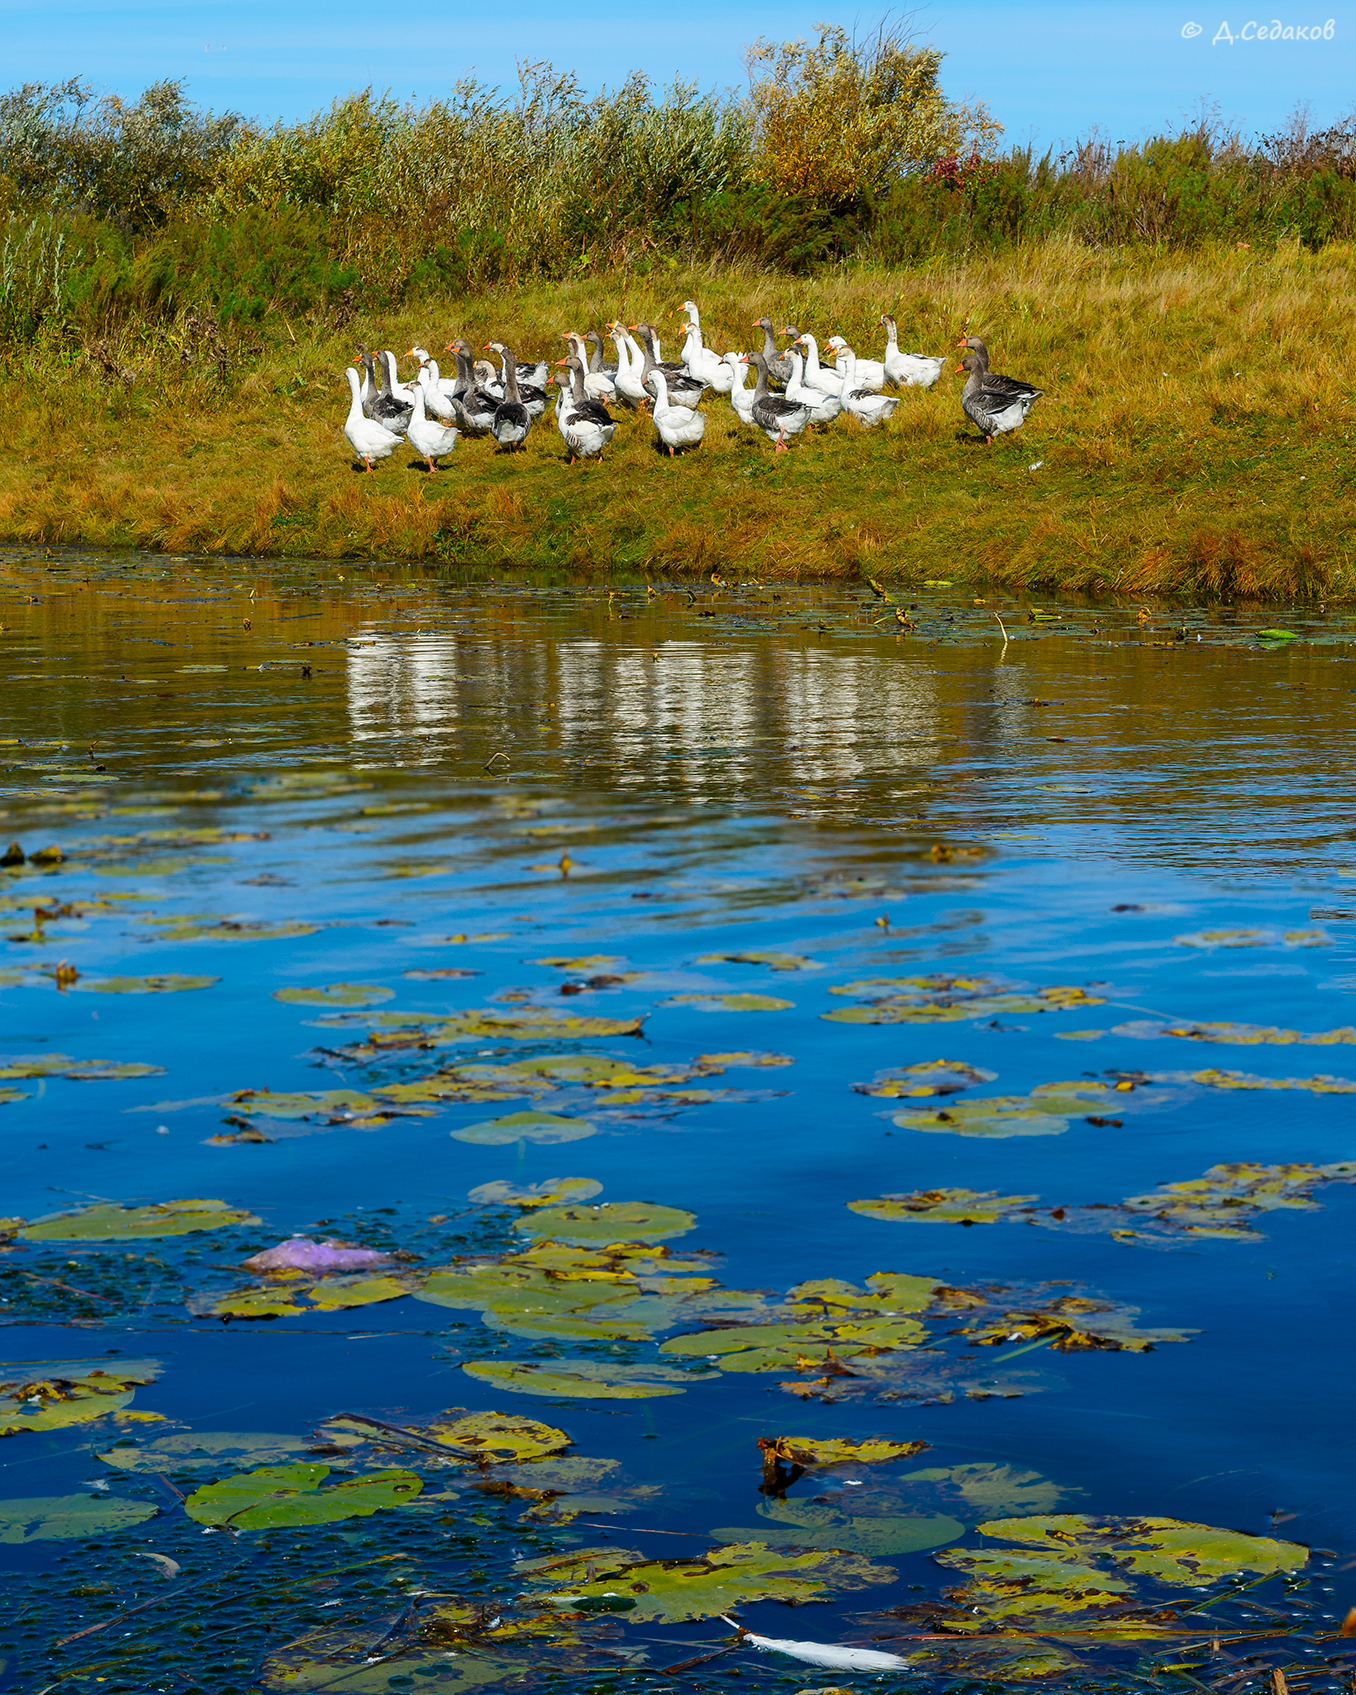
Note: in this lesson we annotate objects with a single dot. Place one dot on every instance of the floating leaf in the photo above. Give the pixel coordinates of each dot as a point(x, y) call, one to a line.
point(67, 1518)
point(576, 1379)
point(206, 928)
point(609, 1221)
point(702, 1586)
point(495, 1435)
point(1277, 636)
point(549, 1192)
point(79, 1070)
point(810, 1524)
point(324, 1106)
point(977, 1490)
point(744, 1057)
point(289, 1496)
point(794, 1347)
point(1237, 1035)
point(129, 1224)
point(773, 961)
point(730, 1003)
point(1223, 1201)
point(169, 984)
point(1254, 939)
point(436, 976)
point(943, 1206)
point(342, 1661)
point(339, 1293)
point(530, 1024)
point(940, 998)
point(543, 1127)
point(51, 1394)
point(1214, 1079)
point(1073, 1323)
point(336, 994)
point(1071, 1563)
point(580, 961)
point(814, 1452)
point(930, 1077)
point(208, 1451)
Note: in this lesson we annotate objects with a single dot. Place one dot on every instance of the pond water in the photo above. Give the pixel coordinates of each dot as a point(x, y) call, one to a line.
point(812, 946)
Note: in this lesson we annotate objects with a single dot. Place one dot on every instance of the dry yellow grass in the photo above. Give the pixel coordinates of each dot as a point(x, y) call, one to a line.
point(1193, 439)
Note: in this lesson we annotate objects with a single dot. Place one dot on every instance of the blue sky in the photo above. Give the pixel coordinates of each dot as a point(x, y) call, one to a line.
point(1049, 71)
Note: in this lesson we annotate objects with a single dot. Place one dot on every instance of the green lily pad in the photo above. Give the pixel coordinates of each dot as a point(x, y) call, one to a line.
point(706, 1585)
point(930, 1077)
point(130, 1224)
point(52, 1394)
point(998, 1117)
point(543, 1127)
point(206, 1451)
point(206, 928)
point(807, 1524)
point(79, 1070)
point(943, 1206)
point(773, 961)
point(69, 1518)
point(290, 1496)
point(940, 998)
point(170, 983)
point(578, 1380)
point(1277, 636)
point(336, 994)
point(549, 1192)
point(341, 1661)
point(730, 1003)
point(609, 1221)
point(814, 1452)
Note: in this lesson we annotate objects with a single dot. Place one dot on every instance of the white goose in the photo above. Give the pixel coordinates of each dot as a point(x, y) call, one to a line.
point(741, 398)
point(824, 408)
point(427, 436)
point(908, 370)
point(706, 366)
point(584, 436)
point(597, 384)
point(870, 372)
point(438, 390)
point(678, 426)
point(630, 365)
point(867, 407)
point(368, 440)
point(814, 374)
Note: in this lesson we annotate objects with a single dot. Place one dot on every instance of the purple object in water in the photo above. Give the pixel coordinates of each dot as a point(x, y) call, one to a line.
point(300, 1253)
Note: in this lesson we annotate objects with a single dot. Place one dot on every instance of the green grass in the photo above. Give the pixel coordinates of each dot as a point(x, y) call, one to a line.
point(1194, 438)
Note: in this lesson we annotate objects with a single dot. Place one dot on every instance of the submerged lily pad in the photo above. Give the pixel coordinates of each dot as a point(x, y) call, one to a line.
point(542, 1127)
point(940, 998)
point(811, 1524)
point(128, 1224)
point(549, 1192)
point(169, 984)
point(208, 928)
point(609, 1221)
point(929, 1077)
point(773, 961)
point(336, 994)
point(206, 1451)
point(730, 1003)
point(51, 1394)
point(1229, 1033)
point(340, 1660)
point(575, 1379)
point(290, 1496)
point(703, 1586)
point(1254, 939)
point(68, 1518)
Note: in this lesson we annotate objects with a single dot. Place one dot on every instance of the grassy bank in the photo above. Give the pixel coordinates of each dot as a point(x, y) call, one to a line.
point(1194, 437)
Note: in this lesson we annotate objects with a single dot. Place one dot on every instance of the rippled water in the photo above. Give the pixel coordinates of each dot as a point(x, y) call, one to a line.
point(1153, 809)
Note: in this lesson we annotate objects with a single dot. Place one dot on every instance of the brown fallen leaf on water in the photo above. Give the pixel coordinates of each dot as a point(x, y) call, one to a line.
point(169, 1569)
point(1348, 1625)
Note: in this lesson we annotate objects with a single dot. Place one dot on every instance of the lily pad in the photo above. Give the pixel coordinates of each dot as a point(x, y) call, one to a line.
point(730, 1003)
point(814, 1452)
point(743, 1057)
point(609, 1221)
point(929, 1077)
point(773, 961)
point(206, 928)
point(52, 1394)
point(543, 1127)
point(943, 1206)
point(170, 983)
point(549, 1192)
point(129, 1224)
point(206, 1451)
point(342, 1661)
point(577, 1380)
point(580, 961)
point(79, 1070)
point(809, 1524)
point(706, 1585)
point(336, 994)
point(1232, 1034)
point(940, 998)
point(289, 1496)
point(68, 1518)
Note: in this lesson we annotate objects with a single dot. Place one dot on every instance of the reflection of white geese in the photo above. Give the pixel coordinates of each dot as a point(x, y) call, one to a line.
point(368, 440)
point(426, 435)
point(678, 426)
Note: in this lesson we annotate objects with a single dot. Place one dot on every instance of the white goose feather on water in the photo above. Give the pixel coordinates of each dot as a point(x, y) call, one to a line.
point(368, 440)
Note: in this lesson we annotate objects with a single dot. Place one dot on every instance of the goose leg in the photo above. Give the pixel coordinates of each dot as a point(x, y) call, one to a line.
point(368, 463)
point(432, 466)
point(670, 453)
point(781, 442)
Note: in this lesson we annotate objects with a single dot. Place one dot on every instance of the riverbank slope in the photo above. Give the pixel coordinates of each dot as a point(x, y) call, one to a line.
point(1193, 438)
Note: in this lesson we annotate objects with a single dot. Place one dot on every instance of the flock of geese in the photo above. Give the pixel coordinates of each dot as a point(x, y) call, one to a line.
point(791, 390)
